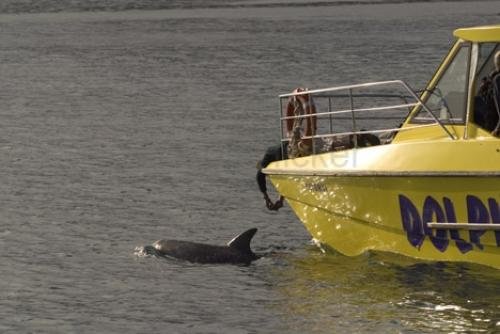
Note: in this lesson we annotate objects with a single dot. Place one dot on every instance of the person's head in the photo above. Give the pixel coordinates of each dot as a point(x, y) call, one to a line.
point(497, 61)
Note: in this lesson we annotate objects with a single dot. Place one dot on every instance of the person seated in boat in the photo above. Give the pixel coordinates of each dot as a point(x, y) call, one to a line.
point(487, 104)
point(347, 142)
point(273, 153)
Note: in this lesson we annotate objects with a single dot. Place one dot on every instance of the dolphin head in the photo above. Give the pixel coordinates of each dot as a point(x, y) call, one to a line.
point(147, 250)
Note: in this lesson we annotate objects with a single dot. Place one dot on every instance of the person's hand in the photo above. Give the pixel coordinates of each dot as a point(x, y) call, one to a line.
point(273, 206)
point(279, 204)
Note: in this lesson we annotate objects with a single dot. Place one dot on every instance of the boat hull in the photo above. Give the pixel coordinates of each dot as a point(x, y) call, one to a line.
point(354, 214)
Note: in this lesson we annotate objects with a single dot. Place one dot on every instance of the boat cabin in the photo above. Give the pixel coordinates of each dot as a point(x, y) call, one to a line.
point(454, 95)
point(451, 107)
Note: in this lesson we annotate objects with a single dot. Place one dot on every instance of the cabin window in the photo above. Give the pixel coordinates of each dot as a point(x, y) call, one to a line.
point(485, 60)
point(485, 113)
point(448, 99)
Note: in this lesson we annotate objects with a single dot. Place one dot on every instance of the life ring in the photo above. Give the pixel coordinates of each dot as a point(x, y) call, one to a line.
point(301, 105)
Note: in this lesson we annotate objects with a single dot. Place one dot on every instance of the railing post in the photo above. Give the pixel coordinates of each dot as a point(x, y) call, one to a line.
point(282, 143)
point(330, 115)
point(313, 122)
point(354, 129)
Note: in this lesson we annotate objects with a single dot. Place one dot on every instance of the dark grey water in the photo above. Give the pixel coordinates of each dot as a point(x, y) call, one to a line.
point(118, 128)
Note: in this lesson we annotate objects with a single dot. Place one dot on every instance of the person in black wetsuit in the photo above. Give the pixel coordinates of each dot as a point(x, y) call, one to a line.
point(488, 100)
point(273, 153)
point(496, 93)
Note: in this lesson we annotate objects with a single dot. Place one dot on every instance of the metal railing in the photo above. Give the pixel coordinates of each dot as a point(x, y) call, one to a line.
point(406, 98)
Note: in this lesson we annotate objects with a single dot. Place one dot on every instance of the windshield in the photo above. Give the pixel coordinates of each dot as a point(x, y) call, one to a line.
point(448, 99)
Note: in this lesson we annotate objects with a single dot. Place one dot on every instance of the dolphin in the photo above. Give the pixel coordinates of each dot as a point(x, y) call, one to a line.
point(237, 251)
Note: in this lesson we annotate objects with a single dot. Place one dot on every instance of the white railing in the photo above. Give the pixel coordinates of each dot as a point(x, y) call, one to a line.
point(357, 106)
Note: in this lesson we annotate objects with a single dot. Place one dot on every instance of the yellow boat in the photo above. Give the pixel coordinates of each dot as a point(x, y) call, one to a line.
point(428, 188)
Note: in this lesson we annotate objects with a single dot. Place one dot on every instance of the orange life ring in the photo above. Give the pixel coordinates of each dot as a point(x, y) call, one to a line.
point(301, 105)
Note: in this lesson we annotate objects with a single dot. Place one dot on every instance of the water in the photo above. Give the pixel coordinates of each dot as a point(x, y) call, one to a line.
point(122, 127)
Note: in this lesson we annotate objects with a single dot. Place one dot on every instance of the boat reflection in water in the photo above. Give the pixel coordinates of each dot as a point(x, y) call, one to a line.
point(387, 293)
point(427, 186)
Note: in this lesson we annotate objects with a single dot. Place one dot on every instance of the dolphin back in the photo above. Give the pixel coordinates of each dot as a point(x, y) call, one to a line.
point(237, 251)
point(242, 241)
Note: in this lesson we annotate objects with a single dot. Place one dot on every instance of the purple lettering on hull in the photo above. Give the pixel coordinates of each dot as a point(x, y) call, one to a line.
point(415, 224)
point(434, 213)
point(462, 245)
point(495, 216)
point(412, 223)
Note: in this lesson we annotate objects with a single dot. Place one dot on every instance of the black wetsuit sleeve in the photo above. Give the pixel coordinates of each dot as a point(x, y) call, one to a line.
point(273, 153)
point(261, 181)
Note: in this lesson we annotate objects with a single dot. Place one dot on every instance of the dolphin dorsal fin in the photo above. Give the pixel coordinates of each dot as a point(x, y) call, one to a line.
point(242, 241)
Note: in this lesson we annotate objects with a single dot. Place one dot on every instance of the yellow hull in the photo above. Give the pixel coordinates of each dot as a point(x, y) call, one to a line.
point(356, 214)
point(381, 198)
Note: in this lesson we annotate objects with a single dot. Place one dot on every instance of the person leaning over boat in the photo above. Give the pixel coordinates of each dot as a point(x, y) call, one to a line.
point(273, 153)
point(488, 109)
